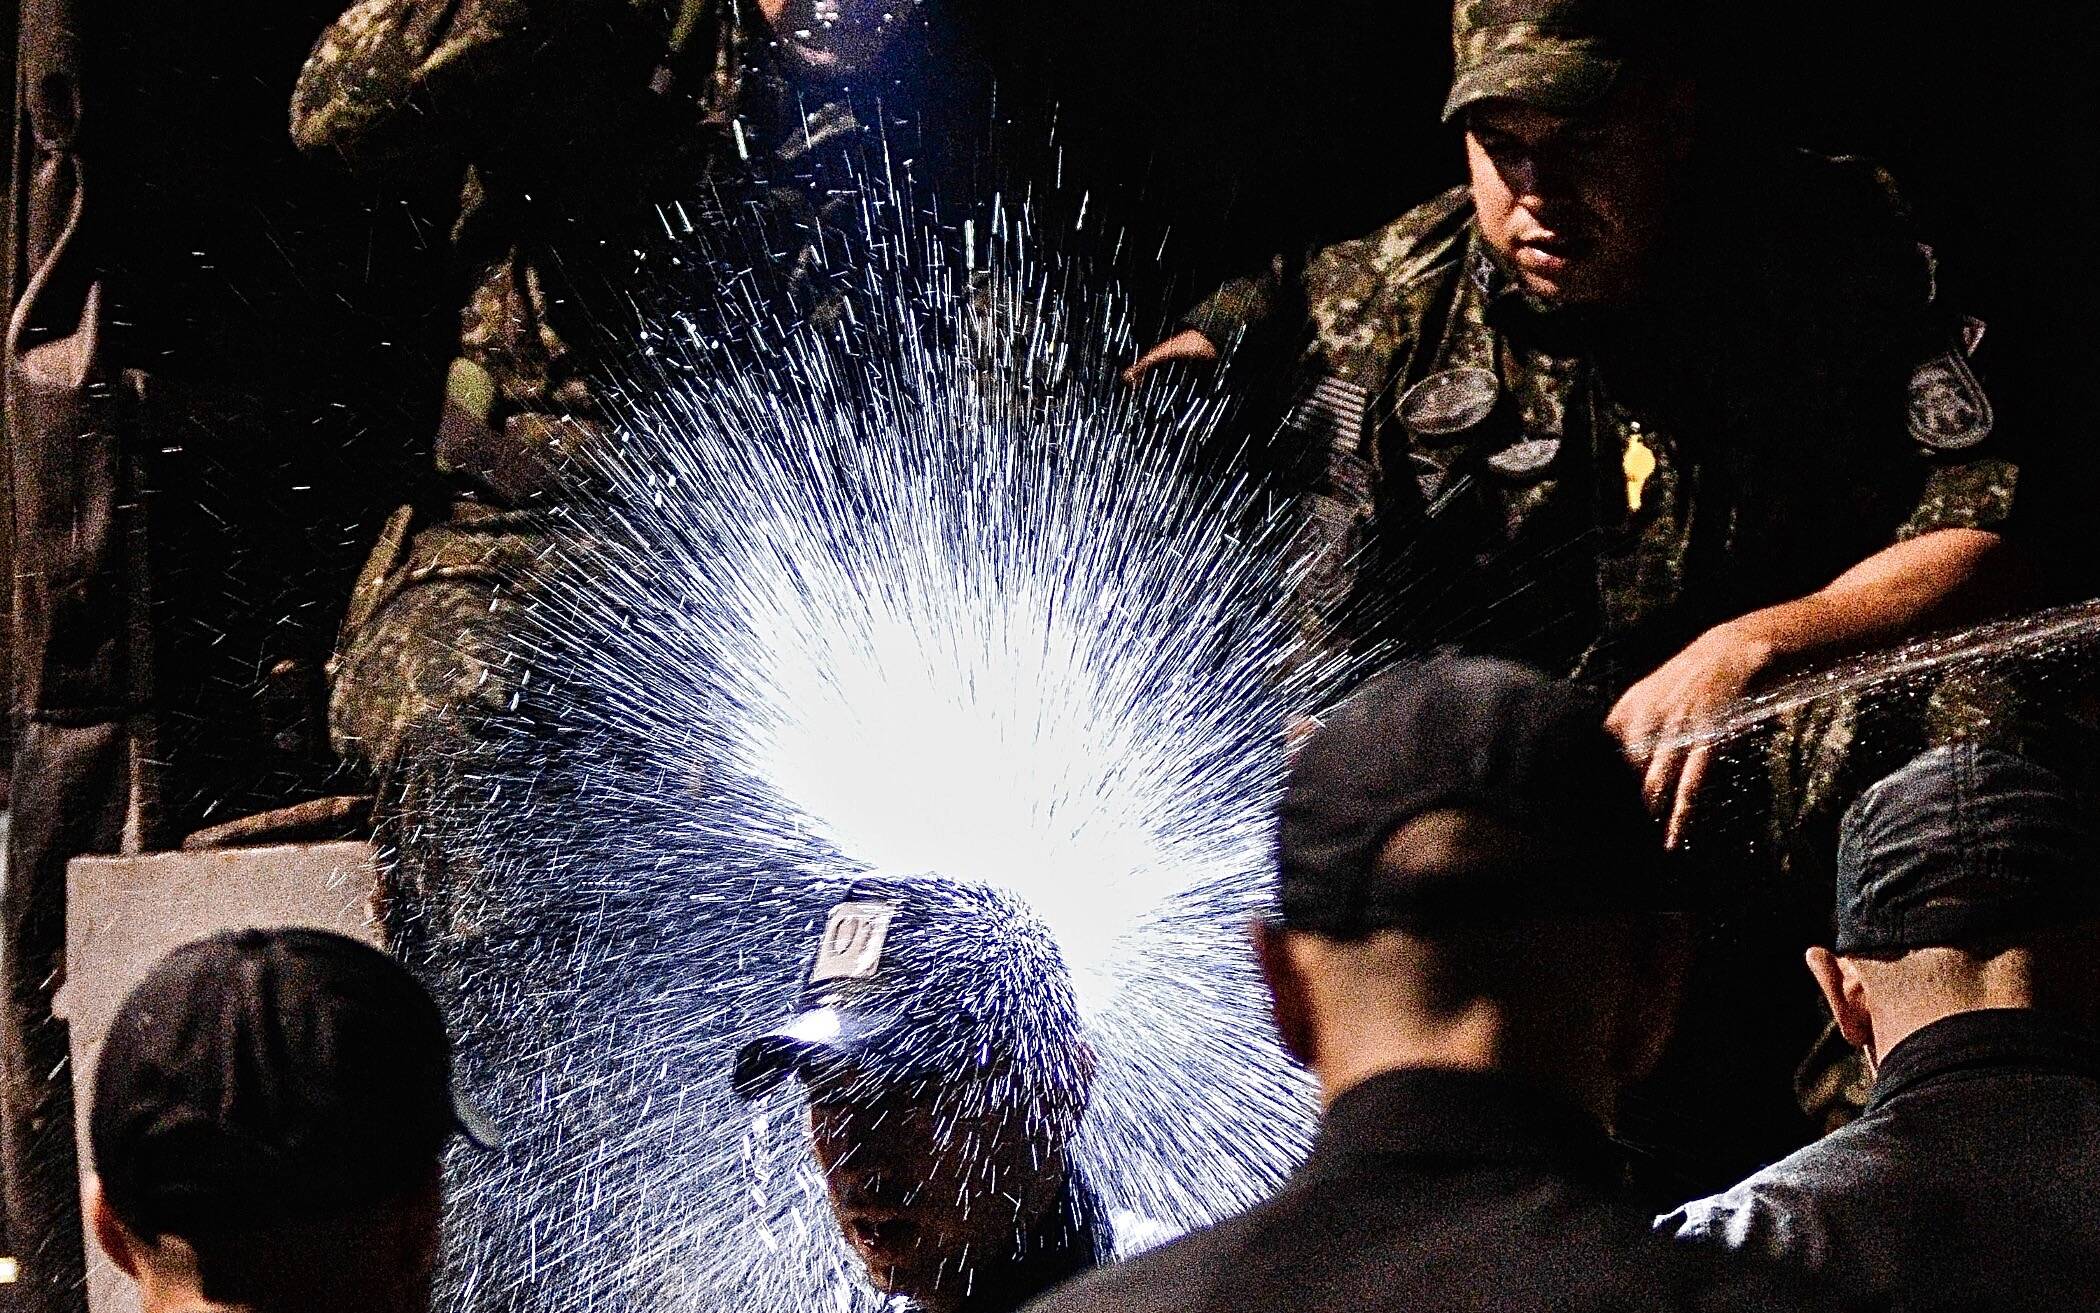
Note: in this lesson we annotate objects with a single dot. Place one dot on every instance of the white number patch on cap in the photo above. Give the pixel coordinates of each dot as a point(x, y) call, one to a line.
point(851, 948)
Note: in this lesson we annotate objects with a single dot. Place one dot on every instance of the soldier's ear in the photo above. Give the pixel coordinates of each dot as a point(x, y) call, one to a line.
point(116, 1240)
point(1287, 995)
point(1845, 992)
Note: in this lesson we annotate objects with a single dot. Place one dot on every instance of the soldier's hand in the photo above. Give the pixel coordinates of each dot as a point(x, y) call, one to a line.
point(1188, 346)
point(1660, 721)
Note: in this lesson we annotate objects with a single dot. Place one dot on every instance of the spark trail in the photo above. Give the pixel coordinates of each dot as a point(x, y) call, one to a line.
point(914, 586)
point(2059, 635)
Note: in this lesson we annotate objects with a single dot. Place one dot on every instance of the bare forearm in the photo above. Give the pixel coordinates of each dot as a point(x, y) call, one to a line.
point(1939, 578)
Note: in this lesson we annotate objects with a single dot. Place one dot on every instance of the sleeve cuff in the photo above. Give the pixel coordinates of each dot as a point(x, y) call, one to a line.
point(1976, 494)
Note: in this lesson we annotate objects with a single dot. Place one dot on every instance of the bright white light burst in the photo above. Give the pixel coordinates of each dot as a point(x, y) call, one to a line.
point(915, 586)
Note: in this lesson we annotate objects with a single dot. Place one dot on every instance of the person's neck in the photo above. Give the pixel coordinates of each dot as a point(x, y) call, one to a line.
point(169, 1281)
point(176, 1293)
point(1893, 1025)
point(1059, 1244)
point(167, 1295)
point(1480, 1040)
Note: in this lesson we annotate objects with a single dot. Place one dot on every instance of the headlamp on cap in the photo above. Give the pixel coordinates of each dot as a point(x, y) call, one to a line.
point(921, 977)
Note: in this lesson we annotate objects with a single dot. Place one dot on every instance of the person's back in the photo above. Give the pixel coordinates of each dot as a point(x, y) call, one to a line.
point(1433, 1190)
point(1471, 959)
point(1972, 1181)
point(1964, 967)
point(269, 1116)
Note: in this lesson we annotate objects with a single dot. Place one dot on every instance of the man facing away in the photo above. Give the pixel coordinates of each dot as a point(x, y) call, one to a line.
point(1966, 967)
point(1471, 959)
point(270, 1113)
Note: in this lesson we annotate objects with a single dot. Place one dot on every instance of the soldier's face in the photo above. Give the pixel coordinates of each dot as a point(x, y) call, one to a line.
point(1575, 204)
point(930, 1180)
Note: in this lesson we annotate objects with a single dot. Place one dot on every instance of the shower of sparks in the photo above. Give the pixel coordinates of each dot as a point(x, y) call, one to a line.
point(912, 585)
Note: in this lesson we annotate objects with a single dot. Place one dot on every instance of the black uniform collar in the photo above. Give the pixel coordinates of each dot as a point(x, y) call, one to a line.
point(1072, 1238)
point(2001, 1038)
point(1460, 1117)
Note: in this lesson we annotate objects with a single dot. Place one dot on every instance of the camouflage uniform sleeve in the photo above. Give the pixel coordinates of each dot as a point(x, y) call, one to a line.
point(1353, 302)
point(1976, 494)
point(1240, 305)
point(1335, 581)
point(1367, 304)
point(1318, 450)
point(394, 80)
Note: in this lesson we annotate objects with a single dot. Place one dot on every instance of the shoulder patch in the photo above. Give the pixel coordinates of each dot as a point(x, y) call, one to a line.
point(1450, 402)
point(1948, 408)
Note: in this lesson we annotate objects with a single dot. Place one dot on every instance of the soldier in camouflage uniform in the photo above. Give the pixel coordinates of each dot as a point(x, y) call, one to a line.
point(1680, 416)
point(1663, 413)
point(576, 126)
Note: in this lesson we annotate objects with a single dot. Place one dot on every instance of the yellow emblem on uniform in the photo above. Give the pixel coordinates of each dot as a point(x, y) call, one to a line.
point(1640, 463)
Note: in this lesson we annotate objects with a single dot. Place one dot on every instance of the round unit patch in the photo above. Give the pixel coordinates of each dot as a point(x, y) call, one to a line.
point(1948, 408)
point(1450, 402)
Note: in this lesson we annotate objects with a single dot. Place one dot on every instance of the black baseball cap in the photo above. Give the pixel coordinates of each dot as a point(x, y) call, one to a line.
point(1463, 733)
point(264, 1075)
point(1964, 845)
point(924, 976)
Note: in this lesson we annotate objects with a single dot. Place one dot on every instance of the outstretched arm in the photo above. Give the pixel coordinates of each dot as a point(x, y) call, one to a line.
point(1238, 306)
point(394, 78)
point(1938, 578)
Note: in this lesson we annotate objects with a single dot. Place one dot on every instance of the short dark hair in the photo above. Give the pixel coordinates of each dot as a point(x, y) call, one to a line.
point(279, 1266)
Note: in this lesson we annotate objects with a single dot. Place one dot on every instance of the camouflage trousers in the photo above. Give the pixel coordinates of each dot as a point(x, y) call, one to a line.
point(426, 692)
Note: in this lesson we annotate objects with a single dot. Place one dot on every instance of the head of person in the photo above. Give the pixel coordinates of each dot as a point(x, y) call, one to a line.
point(270, 1112)
point(1577, 115)
point(938, 1040)
point(838, 38)
point(1468, 880)
point(1966, 880)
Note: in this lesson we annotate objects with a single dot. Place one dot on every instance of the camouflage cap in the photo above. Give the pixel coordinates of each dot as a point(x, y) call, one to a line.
point(1559, 55)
